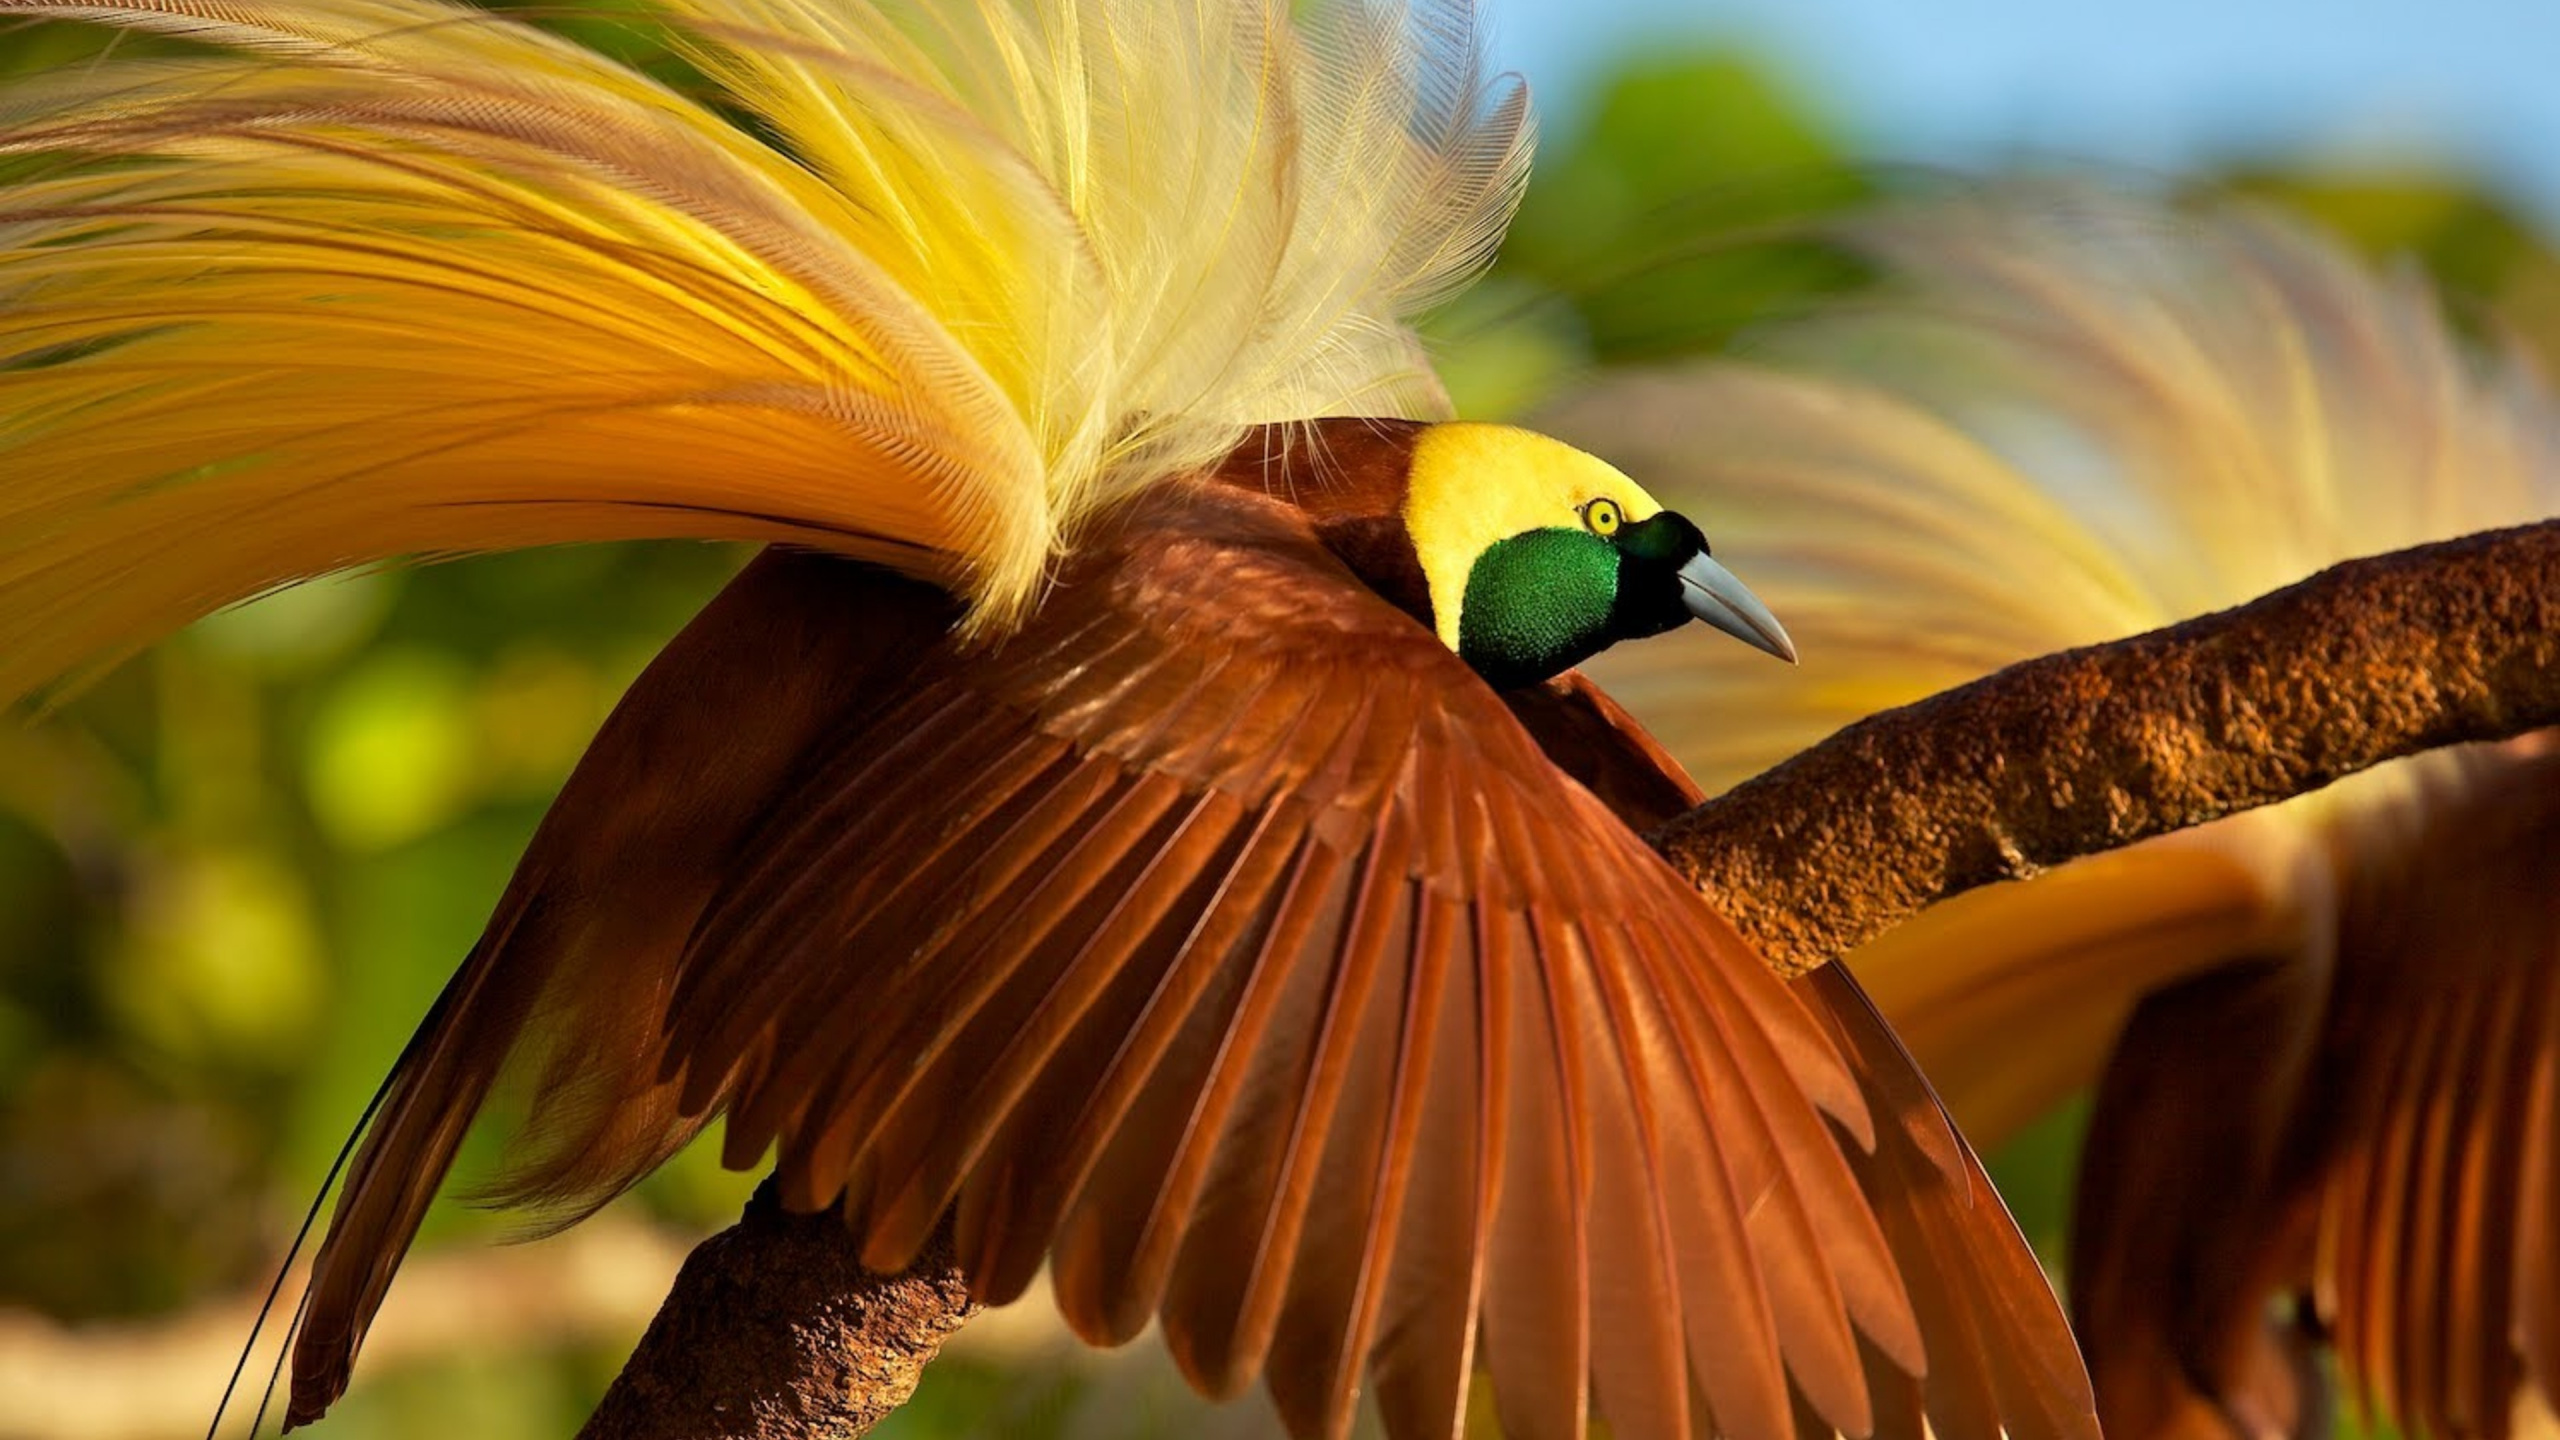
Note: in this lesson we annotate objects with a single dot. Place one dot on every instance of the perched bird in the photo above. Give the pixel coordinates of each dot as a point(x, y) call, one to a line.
point(1134, 818)
point(2322, 1035)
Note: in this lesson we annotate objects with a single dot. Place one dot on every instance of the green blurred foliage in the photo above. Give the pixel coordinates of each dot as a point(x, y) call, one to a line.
point(233, 876)
point(1679, 212)
point(2500, 276)
point(235, 872)
point(1683, 210)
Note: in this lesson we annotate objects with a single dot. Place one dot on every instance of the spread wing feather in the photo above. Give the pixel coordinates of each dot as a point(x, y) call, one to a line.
point(2330, 1043)
point(1155, 961)
point(1256, 1226)
point(1984, 1349)
point(612, 883)
point(2379, 1141)
point(391, 278)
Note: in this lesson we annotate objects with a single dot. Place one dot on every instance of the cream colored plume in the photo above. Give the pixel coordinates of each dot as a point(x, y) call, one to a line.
point(385, 278)
point(2076, 418)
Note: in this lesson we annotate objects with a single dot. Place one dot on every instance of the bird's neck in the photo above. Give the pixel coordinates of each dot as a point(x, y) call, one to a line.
point(1347, 475)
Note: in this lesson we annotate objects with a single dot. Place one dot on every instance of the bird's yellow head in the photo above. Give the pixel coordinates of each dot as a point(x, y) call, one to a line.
point(1536, 556)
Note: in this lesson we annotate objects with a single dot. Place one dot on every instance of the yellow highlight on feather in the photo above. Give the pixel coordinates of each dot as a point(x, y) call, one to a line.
point(2011, 996)
point(390, 278)
point(2082, 418)
point(2088, 417)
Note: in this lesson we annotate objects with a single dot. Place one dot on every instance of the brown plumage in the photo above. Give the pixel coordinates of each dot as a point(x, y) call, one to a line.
point(1138, 867)
point(1220, 936)
point(2323, 1035)
point(2368, 1119)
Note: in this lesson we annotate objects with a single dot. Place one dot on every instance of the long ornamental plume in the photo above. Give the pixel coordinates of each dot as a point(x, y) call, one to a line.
point(2321, 1034)
point(1140, 813)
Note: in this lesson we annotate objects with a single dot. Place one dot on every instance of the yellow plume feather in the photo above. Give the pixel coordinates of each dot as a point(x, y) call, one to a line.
point(2085, 417)
point(387, 278)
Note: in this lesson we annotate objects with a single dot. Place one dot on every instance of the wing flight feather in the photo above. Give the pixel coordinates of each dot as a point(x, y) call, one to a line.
point(1152, 961)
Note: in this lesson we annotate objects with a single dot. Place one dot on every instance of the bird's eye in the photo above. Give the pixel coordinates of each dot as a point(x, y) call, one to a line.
point(1602, 516)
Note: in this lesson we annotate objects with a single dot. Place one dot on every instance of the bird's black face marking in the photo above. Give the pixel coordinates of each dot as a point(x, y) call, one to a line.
point(1650, 594)
point(1541, 603)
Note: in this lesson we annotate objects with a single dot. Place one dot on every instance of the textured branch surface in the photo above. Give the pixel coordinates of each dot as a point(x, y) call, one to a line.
point(774, 1330)
point(2093, 749)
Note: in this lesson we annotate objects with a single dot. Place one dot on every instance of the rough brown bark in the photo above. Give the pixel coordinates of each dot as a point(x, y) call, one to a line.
point(2094, 749)
point(773, 1331)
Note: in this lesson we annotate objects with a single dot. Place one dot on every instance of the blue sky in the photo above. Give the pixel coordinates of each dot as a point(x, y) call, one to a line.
point(2154, 85)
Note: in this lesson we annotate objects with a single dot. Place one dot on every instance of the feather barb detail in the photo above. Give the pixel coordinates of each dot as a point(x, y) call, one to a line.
point(360, 280)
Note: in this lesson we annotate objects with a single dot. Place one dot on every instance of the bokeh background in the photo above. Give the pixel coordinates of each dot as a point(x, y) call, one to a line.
point(234, 873)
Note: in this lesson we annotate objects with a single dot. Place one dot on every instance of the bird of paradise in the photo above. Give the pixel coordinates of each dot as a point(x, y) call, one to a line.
point(1140, 812)
point(2322, 1035)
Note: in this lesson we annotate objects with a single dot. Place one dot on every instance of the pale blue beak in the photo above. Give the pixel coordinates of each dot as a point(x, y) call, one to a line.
point(1713, 594)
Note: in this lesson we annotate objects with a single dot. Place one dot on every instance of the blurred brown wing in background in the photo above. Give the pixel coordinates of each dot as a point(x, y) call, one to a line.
point(2365, 1121)
point(2325, 1029)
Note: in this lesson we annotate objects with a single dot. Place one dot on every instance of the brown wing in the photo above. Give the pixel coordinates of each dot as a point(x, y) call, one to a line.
point(590, 929)
point(1218, 936)
point(1233, 941)
point(2179, 1243)
point(2369, 1123)
point(1999, 1354)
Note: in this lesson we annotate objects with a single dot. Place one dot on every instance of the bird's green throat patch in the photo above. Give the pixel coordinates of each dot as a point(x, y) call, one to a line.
point(1537, 604)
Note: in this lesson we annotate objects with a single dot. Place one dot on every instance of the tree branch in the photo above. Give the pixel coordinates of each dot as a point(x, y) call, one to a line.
point(773, 1331)
point(2095, 749)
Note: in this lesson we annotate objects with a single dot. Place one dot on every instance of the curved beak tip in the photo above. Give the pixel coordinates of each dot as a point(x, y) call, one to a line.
point(1715, 595)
